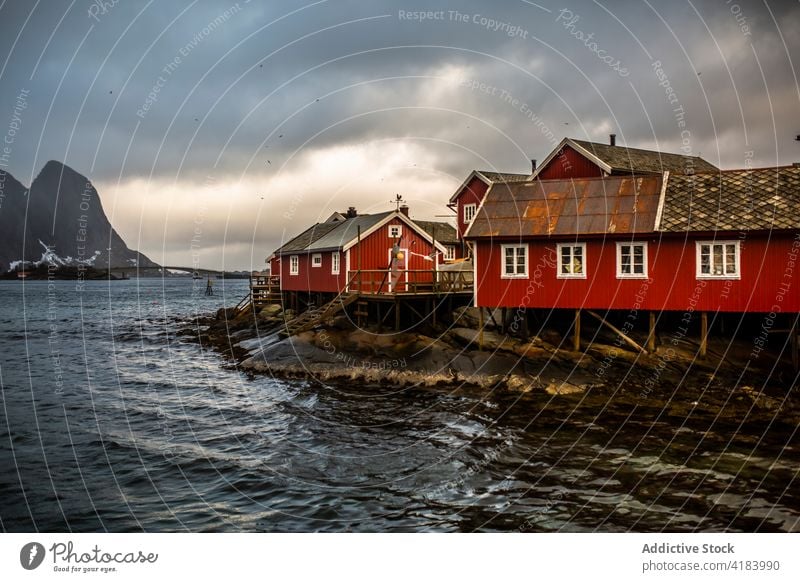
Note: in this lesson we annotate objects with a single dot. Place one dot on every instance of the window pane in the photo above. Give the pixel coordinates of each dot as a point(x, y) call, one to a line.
point(565, 260)
point(705, 259)
point(625, 264)
point(717, 260)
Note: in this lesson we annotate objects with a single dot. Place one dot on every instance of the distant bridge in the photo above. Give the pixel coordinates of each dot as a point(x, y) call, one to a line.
point(189, 270)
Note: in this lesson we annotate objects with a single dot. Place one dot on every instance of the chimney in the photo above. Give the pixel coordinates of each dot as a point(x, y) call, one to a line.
point(612, 139)
point(404, 209)
point(533, 166)
point(351, 212)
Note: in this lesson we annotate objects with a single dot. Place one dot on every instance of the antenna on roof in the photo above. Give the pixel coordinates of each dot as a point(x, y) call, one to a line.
point(398, 200)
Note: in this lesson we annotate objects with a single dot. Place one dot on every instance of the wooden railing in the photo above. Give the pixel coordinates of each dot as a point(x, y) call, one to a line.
point(414, 282)
point(265, 289)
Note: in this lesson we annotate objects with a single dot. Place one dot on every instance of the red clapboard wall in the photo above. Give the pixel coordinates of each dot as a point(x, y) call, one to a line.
point(472, 193)
point(768, 265)
point(569, 164)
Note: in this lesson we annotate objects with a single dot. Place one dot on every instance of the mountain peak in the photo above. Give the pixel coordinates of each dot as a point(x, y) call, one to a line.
point(59, 169)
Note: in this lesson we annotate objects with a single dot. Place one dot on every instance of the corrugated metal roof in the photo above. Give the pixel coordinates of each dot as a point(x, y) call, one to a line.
point(632, 160)
point(762, 199)
point(617, 204)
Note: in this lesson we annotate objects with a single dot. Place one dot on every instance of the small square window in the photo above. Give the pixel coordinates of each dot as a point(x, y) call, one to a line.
point(469, 212)
point(395, 231)
point(515, 261)
point(572, 261)
point(632, 260)
point(316, 260)
point(718, 260)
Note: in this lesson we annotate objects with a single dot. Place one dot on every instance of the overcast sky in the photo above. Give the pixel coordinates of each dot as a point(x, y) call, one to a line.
point(241, 123)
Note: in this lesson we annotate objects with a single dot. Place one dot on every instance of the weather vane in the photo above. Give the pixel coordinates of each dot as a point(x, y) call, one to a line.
point(398, 200)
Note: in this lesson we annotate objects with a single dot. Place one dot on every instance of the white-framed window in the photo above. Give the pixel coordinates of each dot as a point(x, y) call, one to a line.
point(514, 261)
point(571, 261)
point(316, 260)
point(395, 231)
point(449, 252)
point(631, 260)
point(335, 262)
point(469, 212)
point(718, 259)
point(294, 265)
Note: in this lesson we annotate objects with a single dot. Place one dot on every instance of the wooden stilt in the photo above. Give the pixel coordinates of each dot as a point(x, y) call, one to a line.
point(480, 329)
point(378, 312)
point(525, 331)
point(396, 314)
point(617, 331)
point(576, 340)
point(795, 343)
point(503, 316)
point(703, 334)
point(651, 336)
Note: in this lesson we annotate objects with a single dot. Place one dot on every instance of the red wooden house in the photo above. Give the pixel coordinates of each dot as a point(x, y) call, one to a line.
point(611, 228)
point(357, 252)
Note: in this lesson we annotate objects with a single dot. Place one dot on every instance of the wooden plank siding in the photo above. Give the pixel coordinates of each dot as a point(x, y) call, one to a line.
point(767, 265)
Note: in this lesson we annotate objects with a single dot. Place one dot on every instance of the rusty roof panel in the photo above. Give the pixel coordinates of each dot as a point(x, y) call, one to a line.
point(616, 204)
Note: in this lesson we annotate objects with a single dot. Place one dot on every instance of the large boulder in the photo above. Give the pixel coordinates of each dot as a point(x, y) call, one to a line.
point(270, 311)
point(467, 317)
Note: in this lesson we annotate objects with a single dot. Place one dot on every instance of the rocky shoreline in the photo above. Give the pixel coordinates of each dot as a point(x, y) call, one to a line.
point(673, 379)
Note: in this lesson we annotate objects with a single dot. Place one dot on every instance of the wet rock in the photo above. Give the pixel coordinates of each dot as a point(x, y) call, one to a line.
point(270, 311)
point(562, 388)
point(490, 341)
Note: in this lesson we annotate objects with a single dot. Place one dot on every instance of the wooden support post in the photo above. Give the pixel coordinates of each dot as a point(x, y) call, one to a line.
point(651, 337)
point(576, 340)
point(396, 314)
point(703, 334)
point(380, 321)
point(432, 310)
point(617, 331)
point(795, 343)
point(525, 331)
point(504, 316)
point(480, 328)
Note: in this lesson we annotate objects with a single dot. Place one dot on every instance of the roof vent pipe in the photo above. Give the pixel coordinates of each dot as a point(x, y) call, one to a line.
point(612, 139)
point(533, 166)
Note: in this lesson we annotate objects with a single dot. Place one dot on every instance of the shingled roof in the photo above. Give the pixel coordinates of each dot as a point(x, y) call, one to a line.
point(625, 160)
point(307, 237)
point(504, 177)
point(441, 231)
point(616, 204)
point(762, 199)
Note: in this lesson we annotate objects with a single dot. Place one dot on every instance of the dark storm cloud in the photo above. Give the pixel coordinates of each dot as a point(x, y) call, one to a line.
point(255, 90)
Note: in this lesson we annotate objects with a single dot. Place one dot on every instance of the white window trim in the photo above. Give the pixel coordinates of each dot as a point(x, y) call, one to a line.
point(738, 257)
point(314, 258)
point(294, 265)
point(474, 208)
point(398, 229)
point(620, 274)
point(503, 274)
point(336, 261)
point(559, 274)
